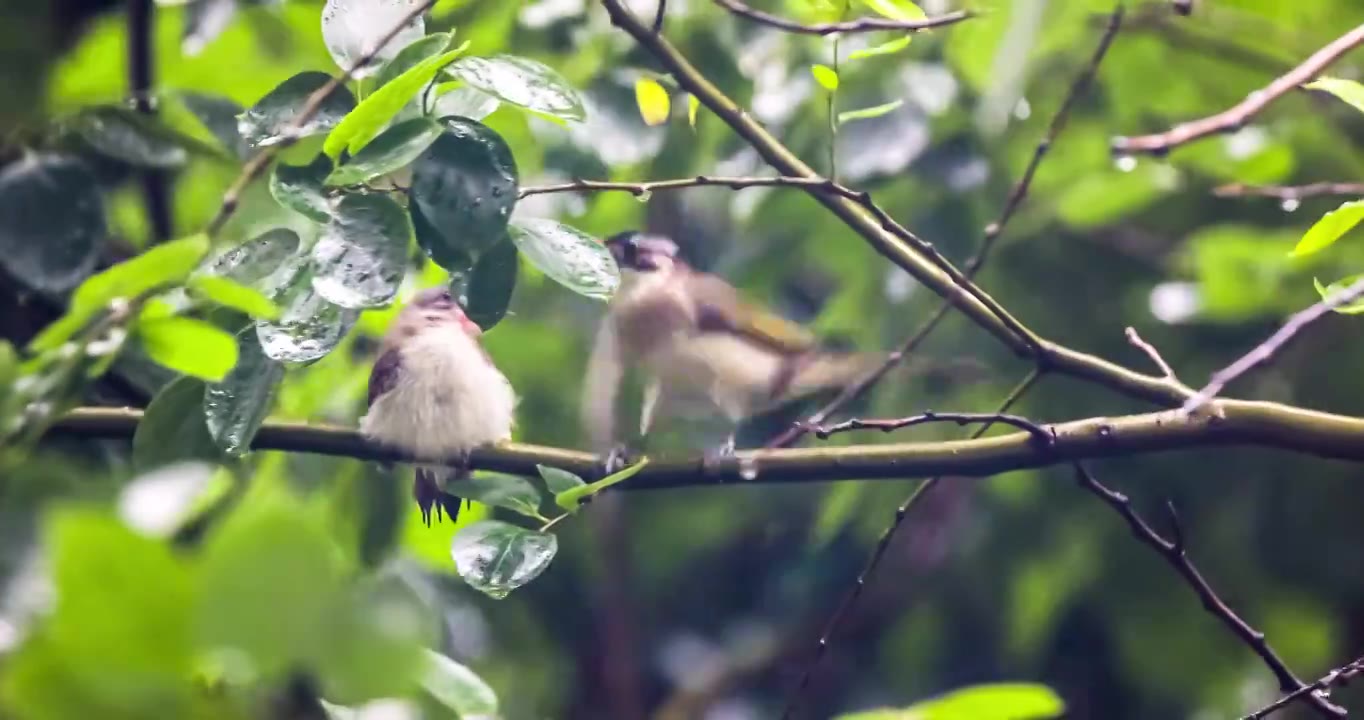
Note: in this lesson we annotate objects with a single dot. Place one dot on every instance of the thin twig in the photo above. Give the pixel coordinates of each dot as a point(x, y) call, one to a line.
point(1236, 117)
point(642, 189)
point(659, 15)
point(849, 26)
point(257, 164)
point(1290, 192)
point(1266, 350)
point(1340, 675)
point(1173, 552)
point(1151, 352)
point(850, 598)
point(1038, 432)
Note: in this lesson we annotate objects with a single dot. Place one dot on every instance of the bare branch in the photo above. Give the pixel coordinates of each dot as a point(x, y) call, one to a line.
point(1266, 350)
point(639, 189)
point(1290, 192)
point(1039, 433)
point(1236, 117)
point(1174, 554)
point(1151, 352)
point(258, 163)
point(849, 26)
point(1338, 676)
point(156, 186)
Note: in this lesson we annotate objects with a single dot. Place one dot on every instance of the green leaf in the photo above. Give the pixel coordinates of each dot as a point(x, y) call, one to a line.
point(504, 491)
point(393, 149)
point(1346, 90)
point(457, 687)
point(1330, 228)
point(902, 10)
point(235, 408)
point(454, 98)
point(309, 326)
point(352, 28)
point(189, 346)
point(254, 260)
point(411, 56)
point(266, 122)
point(361, 257)
point(173, 427)
point(495, 558)
point(653, 101)
point(885, 48)
point(826, 76)
point(1325, 291)
point(218, 115)
point(373, 643)
point(999, 701)
point(521, 82)
point(164, 265)
point(51, 221)
point(570, 499)
point(300, 188)
point(558, 481)
point(568, 256)
point(868, 113)
point(465, 187)
point(127, 135)
point(232, 294)
point(490, 285)
point(370, 116)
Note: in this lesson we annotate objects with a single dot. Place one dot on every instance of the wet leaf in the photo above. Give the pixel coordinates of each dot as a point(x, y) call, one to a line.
point(173, 427)
point(51, 221)
point(490, 285)
point(236, 407)
point(495, 557)
point(309, 326)
point(369, 117)
point(300, 188)
point(393, 149)
point(231, 294)
point(504, 491)
point(361, 257)
point(568, 256)
point(557, 480)
point(266, 122)
point(127, 135)
point(652, 99)
point(457, 687)
point(1330, 228)
point(521, 82)
point(434, 244)
point(455, 98)
point(350, 28)
point(266, 263)
point(218, 115)
point(826, 76)
point(188, 346)
point(465, 186)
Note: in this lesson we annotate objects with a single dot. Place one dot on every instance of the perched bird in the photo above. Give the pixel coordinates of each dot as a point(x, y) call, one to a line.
point(434, 392)
point(703, 348)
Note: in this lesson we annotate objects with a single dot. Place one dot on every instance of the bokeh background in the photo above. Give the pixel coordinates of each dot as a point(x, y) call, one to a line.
point(707, 602)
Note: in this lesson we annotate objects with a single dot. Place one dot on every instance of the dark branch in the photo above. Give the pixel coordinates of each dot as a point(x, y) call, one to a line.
point(1274, 343)
point(849, 26)
point(1039, 433)
point(1236, 117)
point(1290, 192)
point(1338, 676)
point(1173, 553)
point(156, 188)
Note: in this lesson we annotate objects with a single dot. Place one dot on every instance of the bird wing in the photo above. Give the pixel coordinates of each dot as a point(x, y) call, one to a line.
point(720, 308)
point(384, 375)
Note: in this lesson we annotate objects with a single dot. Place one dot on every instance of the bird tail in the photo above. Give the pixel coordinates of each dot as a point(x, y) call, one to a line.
point(429, 490)
point(814, 372)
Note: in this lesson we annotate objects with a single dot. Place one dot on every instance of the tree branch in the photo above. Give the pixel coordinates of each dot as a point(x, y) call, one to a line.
point(1274, 343)
point(1236, 117)
point(1151, 352)
point(639, 189)
point(156, 189)
point(1290, 192)
point(1039, 434)
point(261, 160)
point(1173, 553)
point(859, 25)
point(1338, 676)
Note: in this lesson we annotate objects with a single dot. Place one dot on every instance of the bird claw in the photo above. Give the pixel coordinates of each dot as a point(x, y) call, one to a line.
point(617, 459)
point(713, 456)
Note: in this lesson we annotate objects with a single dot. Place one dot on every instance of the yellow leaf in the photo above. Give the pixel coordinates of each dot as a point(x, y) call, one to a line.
point(826, 76)
point(692, 105)
point(653, 101)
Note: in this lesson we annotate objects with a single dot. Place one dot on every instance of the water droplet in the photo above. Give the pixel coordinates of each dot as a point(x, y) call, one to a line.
point(748, 469)
point(1290, 204)
point(644, 196)
point(1125, 163)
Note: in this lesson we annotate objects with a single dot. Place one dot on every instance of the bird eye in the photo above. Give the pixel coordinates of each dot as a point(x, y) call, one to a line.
point(446, 296)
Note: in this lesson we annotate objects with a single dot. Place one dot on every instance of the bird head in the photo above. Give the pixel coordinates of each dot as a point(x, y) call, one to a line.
point(639, 252)
point(437, 306)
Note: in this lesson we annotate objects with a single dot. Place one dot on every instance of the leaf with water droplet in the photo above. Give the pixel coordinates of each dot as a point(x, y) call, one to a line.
point(266, 122)
point(361, 257)
point(465, 186)
point(457, 687)
point(522, 82)
point(495, 557)
point(300, 188)
point(173, 427)
point(568, 256)
point(504, 491)
point(351, 28)
point(455, 98)
point(51, 221)
point(267, 263)
point(309, 326)
point(135, 138)
point(236, 407)
point(490, 284)
point(393, 149)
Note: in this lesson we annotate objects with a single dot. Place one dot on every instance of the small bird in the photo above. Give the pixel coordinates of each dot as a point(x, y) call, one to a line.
point(435, 393)
point(704, 349)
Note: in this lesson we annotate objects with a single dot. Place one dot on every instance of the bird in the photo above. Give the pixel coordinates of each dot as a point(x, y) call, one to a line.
point(435, 393)
point(704, 349)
